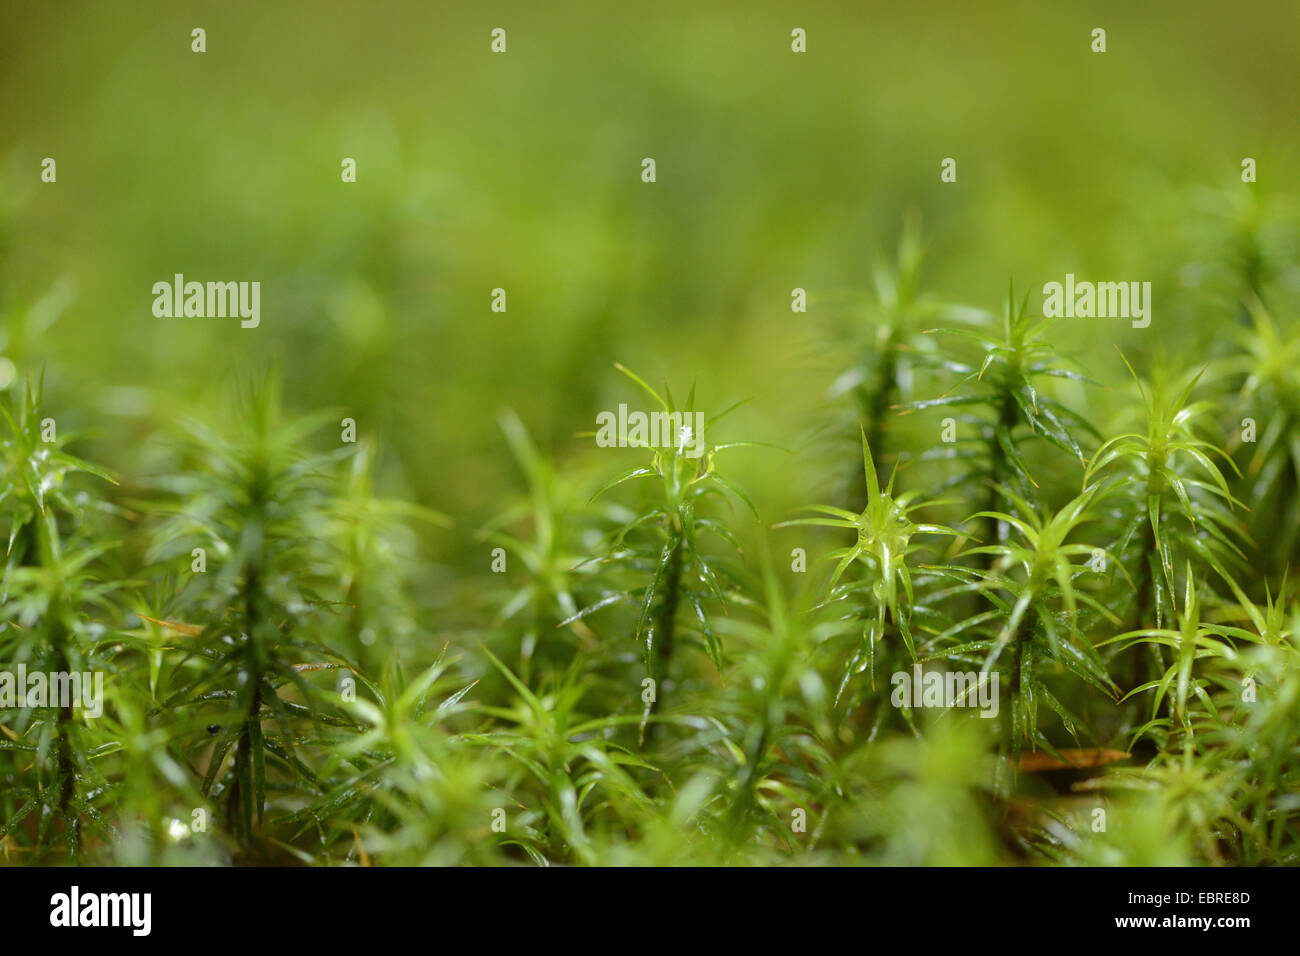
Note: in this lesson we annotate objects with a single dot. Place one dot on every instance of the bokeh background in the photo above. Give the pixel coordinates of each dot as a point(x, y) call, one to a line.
point(522, 171)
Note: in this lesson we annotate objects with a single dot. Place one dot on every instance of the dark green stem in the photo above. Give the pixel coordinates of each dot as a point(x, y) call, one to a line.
point(998, 471)
point(666, 620)
point(242, 806)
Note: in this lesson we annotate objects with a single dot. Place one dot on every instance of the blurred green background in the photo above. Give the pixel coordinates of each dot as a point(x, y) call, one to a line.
point(475, 171)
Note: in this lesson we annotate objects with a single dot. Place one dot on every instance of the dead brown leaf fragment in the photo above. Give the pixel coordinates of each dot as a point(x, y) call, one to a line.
point(188, 630)
point(361, 848)
point(1075, 757)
